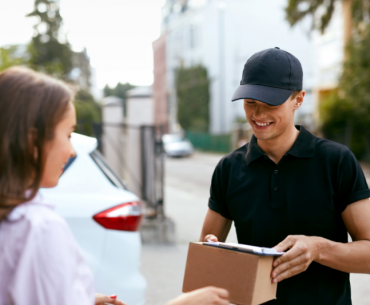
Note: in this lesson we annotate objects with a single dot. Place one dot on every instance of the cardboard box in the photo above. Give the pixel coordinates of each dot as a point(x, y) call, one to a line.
point(246, 276)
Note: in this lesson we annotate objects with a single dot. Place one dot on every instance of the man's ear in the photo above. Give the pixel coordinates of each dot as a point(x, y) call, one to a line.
point(299, 99)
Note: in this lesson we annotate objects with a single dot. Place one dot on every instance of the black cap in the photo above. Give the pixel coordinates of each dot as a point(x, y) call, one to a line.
point(270, 76)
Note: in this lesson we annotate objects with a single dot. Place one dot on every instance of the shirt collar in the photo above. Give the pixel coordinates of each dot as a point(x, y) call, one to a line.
point(303, 147)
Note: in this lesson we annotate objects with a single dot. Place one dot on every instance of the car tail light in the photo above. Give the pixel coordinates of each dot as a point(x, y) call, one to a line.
point(123, 217)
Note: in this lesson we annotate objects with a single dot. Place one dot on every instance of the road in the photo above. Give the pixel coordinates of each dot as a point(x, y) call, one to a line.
point(186, 196)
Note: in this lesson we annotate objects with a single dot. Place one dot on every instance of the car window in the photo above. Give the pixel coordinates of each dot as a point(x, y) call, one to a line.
point(107, 171)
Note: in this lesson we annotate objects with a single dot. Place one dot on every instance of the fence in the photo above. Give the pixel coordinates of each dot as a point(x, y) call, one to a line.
point(152, 165)
point(208, 142)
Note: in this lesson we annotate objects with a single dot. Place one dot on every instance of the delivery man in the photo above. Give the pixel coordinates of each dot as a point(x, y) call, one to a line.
point(291, 190)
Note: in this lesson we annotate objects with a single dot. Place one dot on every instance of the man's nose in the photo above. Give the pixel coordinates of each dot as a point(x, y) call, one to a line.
point(259, 111)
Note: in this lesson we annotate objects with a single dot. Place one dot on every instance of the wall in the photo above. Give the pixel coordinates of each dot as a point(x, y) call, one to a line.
point(140, 111)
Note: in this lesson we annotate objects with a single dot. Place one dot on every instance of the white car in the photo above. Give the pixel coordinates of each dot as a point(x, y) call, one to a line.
point(104, 218)
point(176, 146)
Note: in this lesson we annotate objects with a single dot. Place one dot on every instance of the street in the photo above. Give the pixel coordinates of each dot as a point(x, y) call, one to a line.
point(186, 197)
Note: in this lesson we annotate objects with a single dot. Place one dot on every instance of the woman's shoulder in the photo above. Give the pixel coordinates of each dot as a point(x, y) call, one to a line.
point(37, 213)
point(40, 257)
point(35, 231)
point(36, 219)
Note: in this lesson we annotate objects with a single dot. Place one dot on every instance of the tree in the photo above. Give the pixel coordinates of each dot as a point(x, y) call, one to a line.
point(321, 12)
point(345, 114)
point(192, 87)
point(47, 53)
point(50, 52)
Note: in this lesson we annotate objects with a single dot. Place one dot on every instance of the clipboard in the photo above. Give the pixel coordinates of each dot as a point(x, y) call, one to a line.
point(245, 248)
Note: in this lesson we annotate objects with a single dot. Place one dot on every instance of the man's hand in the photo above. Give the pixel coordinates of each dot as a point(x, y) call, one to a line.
point(303, 250)
point(210, 237)
point(204, 296)
point(101, 299)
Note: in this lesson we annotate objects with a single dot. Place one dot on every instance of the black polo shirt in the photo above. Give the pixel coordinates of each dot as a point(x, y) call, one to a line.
point(305, 194)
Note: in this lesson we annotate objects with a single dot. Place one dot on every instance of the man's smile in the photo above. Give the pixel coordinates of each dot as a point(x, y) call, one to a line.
point(262, 124)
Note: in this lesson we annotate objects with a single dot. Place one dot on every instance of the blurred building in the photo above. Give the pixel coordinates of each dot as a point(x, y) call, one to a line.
point(222, 35)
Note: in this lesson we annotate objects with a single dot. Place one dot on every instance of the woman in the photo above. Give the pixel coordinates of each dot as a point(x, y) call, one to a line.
point(40, 262)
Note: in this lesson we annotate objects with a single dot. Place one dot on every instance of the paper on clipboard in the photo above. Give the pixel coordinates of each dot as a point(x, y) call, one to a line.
point(245, 248)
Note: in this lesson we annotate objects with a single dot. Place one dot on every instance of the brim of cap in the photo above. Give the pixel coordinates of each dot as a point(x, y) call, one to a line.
point(269, 95)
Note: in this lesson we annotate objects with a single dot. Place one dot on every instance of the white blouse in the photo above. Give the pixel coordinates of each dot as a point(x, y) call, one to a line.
point(40, 262)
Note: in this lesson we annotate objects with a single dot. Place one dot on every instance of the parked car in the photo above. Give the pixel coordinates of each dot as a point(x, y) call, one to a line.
point(104, 217)
point(177, 146)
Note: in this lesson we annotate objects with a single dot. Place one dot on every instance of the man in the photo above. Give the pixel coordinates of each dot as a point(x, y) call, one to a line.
point(290, 189)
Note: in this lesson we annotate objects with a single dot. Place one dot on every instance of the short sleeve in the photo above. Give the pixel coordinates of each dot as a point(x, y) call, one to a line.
point(219, 183)
point(352, 185)
point(50, 269)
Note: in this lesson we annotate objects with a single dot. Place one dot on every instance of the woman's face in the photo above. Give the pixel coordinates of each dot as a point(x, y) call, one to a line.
point(59, 149)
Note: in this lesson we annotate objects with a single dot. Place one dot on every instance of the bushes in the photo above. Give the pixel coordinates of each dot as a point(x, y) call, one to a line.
point(345, 115)
point(192, 87)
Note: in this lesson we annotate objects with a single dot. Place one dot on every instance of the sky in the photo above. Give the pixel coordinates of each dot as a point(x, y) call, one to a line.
point(117, 34)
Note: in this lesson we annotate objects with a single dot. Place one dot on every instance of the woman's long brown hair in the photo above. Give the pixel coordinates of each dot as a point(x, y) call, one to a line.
point(31, 105)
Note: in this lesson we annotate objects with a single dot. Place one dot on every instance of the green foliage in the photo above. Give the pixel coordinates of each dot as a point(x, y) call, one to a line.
point(346, 114)
point(296, 10)
point(47, 53)
point(321, 12)
point(11, 56)
point(119, 91)
point(88, 111)
point(192, 86)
